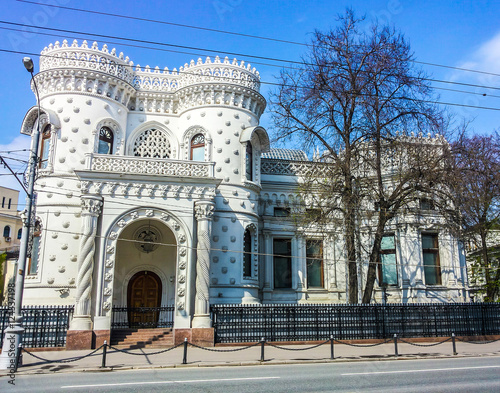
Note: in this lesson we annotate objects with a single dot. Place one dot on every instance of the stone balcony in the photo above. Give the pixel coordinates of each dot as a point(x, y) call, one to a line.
point(131, 165)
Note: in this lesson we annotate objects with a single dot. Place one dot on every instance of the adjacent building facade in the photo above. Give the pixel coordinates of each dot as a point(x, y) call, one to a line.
point(159, 187)
point(11, 227)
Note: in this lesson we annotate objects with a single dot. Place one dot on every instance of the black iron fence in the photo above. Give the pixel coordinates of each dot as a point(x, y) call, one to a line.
point(142, 317)
point(44, 326)
point(286, 322)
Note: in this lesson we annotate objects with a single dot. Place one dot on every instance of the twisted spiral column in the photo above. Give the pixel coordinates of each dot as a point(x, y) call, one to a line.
point(204, 211)
point(91, 209)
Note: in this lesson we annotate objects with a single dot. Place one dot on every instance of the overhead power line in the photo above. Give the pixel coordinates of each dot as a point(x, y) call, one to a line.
point(228, 32)
point(306, 87)
point(164, 23)
point(267, 64)
point(243, 55)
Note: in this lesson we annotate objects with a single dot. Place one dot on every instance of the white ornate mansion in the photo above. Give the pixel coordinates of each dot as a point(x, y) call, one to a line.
point(159, 187)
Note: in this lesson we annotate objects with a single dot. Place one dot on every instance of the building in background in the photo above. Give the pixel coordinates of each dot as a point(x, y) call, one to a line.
point(11, 227)
point(159, 187)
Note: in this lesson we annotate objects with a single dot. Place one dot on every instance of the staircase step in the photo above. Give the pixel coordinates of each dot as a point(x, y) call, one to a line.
point(142, 338)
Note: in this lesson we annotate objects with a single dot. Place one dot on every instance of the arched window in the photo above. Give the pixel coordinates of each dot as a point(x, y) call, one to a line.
point(105, 141)
point(247, 254)
point(45, 147)
point(19, 233)
point(197, 148)
point(152, 143)
point(6, 231)
point(249, 162)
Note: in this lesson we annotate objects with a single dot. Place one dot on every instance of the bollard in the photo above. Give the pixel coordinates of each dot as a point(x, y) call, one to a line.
point(396, 345)
point(332, 356)
point(263, 343)
point(104, 351)
point(454, 344)
point(184, 358)
point(18, 357)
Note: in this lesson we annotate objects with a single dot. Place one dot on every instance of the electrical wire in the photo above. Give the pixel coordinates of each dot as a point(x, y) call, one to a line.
point(165, 23)
point(261, 254)
point(230, 33)
point(307, 87)
point(231, 53)
point(259, 63)
point(265, 64)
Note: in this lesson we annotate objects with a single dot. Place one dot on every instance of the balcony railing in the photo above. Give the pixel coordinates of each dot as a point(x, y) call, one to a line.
point(149, 166)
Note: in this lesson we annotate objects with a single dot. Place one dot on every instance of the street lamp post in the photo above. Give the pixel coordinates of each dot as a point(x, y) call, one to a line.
point(14, 332)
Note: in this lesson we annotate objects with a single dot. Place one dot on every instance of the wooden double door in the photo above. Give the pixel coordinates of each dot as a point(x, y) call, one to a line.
point(144, 299)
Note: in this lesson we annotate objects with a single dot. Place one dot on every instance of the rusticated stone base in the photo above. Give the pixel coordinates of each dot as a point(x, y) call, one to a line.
point(203, 337)
point(180, 334)
point(79, 339)
point(100, 336)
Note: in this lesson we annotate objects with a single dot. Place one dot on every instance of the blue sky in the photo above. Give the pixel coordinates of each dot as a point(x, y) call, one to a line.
point(452, 33)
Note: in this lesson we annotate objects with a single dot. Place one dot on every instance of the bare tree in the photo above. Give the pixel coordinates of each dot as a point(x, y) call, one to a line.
point(355, 89)
point(476, 186)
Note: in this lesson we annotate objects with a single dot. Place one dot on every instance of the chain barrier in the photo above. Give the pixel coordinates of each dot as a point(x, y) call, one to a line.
point(297, 349)
point(363, 345)
point(477, 342)
point(68, 360)
point(262, 343)
point(423, 345)
point(223, 350)
point(144, 353)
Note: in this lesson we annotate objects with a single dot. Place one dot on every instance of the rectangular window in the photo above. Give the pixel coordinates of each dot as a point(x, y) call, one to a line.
point(430, 252)
point(314, 260)
point(10, 202)
point(281, 212)
point(426, 204)
point(282, 263)
point(198, 153)
point(3, 202)
point(247, 254)
point(388, 272)
point(33, 261)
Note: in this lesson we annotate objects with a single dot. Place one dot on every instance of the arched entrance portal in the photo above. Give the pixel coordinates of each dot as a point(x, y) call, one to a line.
point(145, 269)
point(143, 295)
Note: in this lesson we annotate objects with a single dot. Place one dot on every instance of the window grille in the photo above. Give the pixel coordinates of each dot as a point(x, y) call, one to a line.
point(152, 143)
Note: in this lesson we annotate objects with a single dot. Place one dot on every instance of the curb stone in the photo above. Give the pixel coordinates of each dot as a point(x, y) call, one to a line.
point(251, 363)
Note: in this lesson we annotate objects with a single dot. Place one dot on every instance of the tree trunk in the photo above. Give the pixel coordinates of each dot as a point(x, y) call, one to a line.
point(490, 287)
point(374, 257)
point(350, 239)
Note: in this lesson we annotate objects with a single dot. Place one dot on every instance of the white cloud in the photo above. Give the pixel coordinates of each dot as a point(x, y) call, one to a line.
point(12, 152)
point(486, 58)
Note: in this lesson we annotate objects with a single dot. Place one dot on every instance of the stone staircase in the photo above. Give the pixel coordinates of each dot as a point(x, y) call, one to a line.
point(142, 338)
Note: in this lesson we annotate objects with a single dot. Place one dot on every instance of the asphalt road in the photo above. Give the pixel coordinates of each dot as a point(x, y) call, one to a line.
point(434, 375)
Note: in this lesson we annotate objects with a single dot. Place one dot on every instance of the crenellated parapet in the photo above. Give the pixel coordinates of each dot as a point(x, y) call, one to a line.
point(86, 57)
point(91, 70)
point(215, 71)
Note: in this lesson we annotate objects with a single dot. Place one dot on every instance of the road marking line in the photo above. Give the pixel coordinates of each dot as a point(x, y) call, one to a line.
point(420, 371)
point(167, 382)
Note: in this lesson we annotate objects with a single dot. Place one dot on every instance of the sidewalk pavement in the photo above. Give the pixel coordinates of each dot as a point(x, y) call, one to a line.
point(245, 356)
